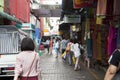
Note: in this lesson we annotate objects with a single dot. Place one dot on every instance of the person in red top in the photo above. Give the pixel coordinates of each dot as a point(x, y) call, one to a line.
point(51, 45)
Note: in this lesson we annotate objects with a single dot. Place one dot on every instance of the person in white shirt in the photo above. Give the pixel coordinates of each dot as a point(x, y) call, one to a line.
point(57, 45)
point(77, 55)
point(70, 52)
point(63, 45)
point(48, 44)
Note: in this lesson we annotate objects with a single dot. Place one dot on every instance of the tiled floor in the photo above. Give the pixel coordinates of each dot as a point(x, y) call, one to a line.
point(55, 69)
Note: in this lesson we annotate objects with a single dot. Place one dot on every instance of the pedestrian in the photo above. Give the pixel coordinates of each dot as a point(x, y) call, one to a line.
point(56, 47)
point(63, 46)
point(51, 46)
point(27, 65)
point(114, 65)
point(48, 45)
point(77, 55)
point(70, 51)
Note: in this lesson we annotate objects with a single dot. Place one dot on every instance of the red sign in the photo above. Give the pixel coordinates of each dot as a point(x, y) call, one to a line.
point(82, 3)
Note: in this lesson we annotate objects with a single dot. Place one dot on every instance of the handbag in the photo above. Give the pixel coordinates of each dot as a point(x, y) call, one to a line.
point(26, 78)
point(40, 53)
point(68, 47)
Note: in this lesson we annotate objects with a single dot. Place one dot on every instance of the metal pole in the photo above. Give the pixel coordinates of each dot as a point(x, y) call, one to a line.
point(5, 15)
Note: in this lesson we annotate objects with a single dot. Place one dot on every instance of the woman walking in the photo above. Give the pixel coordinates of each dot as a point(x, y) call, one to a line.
point(27, 65)
point(77, 55)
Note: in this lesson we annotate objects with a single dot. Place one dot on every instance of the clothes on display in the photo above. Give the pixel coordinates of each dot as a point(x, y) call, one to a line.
point(99, 55)
point(112, 40)
point(118, 35)
point(94, 44)
point(101, 7)
point(116, 7)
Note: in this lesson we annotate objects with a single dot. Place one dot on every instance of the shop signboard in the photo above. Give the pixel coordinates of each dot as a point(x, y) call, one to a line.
point(82, 3)
point(29, 28)
point(33, 19)
point(72, 19)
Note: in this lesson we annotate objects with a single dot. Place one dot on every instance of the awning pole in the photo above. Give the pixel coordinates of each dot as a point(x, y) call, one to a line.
point(5, 15)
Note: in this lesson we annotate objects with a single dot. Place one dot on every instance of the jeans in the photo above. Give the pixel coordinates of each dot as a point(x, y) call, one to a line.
point(56, 51)
point(69, 56)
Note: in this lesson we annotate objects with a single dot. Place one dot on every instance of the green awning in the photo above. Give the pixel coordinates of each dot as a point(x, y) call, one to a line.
point(9, 17)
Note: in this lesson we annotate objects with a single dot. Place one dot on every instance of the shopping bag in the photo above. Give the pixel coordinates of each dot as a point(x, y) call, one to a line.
point(40, 53)
point(68, 47)
point(73, 59)
point(64, 54)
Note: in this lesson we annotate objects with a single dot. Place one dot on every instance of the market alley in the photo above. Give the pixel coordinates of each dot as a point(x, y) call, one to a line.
point(55, 69)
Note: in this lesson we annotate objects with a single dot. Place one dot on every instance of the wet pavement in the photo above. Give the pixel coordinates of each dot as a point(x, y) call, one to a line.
point(55, 69)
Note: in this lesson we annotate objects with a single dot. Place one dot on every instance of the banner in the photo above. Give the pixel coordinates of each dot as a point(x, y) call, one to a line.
point(82, 3)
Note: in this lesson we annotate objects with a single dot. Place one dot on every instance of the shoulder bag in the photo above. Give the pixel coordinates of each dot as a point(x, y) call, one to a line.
point(27, 78)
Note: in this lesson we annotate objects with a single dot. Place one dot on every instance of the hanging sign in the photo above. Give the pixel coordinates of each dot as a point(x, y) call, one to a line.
point(82, 3)
point(72, 19)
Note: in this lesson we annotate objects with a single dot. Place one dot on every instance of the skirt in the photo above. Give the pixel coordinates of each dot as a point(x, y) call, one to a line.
point(29, 78)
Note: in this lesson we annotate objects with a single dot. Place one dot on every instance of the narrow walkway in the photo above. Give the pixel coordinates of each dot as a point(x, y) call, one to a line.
point(55, 69)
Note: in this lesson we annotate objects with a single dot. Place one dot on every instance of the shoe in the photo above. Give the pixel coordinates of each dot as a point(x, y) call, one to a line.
point(70, 64)
point(56, 56)
point(75, 69)
point(79, 68)
point(63, 59)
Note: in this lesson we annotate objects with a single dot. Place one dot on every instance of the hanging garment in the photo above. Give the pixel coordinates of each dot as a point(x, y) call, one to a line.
point(89, 47)
point(99, 20)
point(101, 7)
point(116, 7)
point(106, 47)
point(87, 26)
point(118, 35)
point(109, 8)
point(112, 40)
point(94, 45)
point(98, 45)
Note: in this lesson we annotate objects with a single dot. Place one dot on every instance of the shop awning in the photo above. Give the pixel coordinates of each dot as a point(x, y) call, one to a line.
point(9, 17)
